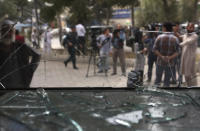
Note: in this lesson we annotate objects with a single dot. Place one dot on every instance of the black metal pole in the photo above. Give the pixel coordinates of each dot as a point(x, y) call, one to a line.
point(37, 21)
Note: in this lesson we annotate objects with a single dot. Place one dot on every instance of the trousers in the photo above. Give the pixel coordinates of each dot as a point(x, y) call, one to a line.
point(119, 53)
point(72, 57)
point(160, 69)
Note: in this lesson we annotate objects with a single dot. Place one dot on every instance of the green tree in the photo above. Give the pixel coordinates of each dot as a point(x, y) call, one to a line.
point(152, 11)
point(6, 7)
point(189, 10)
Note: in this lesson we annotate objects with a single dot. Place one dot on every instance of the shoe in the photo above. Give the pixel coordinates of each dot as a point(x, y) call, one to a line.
point(100, 71)
point(173, 82)
point(124, 74)
point(148, 80)
point(65, 64)
point(76, 68)
point(113, 74)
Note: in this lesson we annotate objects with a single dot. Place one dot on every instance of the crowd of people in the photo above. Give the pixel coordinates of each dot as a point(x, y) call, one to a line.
point(172, 53)
point(165, 47)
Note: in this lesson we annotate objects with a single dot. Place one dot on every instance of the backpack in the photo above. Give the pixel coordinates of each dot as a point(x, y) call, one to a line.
point(134, 79)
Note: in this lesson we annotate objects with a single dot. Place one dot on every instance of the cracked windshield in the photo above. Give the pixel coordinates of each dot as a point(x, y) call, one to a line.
point(60, 61)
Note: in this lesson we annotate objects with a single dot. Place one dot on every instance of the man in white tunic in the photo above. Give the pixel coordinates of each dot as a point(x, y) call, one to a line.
point(47, 41)
point(188, 58)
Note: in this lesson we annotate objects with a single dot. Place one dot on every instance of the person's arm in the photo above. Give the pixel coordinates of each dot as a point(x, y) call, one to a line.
point(175, 49)
point(35, 57)
point(123, 36)
point(177, 34)
point(190, 40)
point(99, 41)
point(172, 56)
point(157, 47)
point(84, 31)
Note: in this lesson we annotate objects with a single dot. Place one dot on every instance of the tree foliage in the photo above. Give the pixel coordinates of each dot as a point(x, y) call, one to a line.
point(143, 11)
point(152, 11)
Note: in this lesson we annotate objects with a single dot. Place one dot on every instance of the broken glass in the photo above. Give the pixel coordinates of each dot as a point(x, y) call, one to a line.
point(76, 110)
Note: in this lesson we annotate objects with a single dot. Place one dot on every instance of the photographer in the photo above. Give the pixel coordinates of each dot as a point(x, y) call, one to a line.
point(104, 43)
point(139, 51)
point(118, 51)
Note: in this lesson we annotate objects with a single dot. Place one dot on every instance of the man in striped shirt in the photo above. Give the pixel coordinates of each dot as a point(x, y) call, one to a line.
point(165, 48)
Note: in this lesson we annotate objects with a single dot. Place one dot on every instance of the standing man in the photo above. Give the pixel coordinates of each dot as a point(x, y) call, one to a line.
point(81, 37)
point(140, 54)
point(118, 51)
point(18, 61)
point(189, 46)
point(104, 43)
point(165, 48)
point(70, 42)
point(34, 39)
point(152, 58)
point(47, 41)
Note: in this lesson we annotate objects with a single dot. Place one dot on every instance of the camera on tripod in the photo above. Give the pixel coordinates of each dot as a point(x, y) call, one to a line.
point(94, 32)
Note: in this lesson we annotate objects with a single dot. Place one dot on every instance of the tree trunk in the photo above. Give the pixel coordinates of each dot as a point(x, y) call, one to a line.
point(108, 16)
point(195, 19)
point(132, 15)
point(60, 27)
point(22, 12)
point(166, 8)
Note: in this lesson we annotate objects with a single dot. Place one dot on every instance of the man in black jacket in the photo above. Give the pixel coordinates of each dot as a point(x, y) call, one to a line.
point(70, 42)
point(18, 61)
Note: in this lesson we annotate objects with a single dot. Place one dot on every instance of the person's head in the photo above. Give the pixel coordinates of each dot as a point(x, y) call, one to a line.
point(73, 28)
point(16, 32)
point(116, 33)
point(176, 27)
point(7, 33)
point(34, 30)
point(190, 27)
point(118, 26)
point(167, 27)
point(106, 31)
point(157, 28)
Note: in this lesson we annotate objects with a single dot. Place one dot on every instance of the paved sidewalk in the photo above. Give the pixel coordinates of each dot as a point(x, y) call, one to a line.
point(56, 75)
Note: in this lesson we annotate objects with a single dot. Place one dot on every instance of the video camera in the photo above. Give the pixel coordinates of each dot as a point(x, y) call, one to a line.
point(94, 32)
point(136, 38)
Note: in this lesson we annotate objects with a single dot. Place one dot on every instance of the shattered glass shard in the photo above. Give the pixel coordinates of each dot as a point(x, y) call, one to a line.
point(132, 117)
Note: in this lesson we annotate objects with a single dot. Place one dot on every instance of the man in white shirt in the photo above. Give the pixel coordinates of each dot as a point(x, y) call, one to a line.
point(34, 39)
point(47, 41)
point(104, 43)
point(81, 37)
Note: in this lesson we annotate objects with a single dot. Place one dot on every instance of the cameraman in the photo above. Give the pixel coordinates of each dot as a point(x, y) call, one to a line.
point(104, 43)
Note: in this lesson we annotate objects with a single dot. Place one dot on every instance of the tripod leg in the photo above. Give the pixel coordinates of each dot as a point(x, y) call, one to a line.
point(89, 65)
point(105, 66)
point(94, 56)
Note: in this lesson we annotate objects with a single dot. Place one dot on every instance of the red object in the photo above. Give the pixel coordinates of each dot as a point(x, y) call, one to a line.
point(19, 38)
